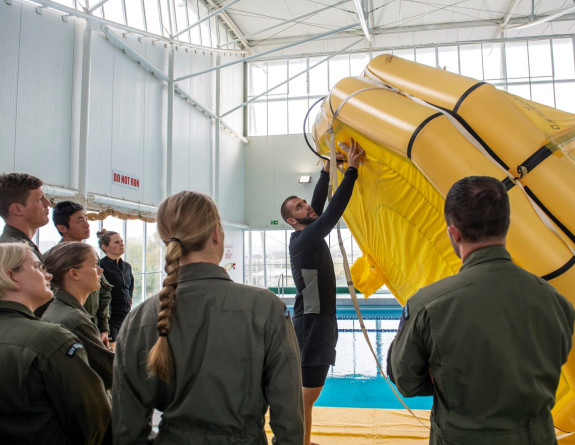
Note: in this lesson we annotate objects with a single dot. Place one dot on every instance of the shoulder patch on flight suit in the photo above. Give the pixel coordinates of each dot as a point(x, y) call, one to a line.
point(72, 350)
point(404, 316)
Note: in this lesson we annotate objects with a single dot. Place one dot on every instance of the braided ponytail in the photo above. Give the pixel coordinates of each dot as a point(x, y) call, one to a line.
point(160, 359)
point(181, 238)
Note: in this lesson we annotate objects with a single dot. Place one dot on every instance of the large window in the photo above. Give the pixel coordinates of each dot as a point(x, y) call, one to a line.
point(542, 70)
point(144, 250)
point(267, 263)
point(164, 18)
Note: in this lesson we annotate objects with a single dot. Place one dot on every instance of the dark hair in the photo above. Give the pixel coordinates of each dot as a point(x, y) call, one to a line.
point(479, 207)
point(63, 211)
point(104, 237)
point(181, 237)
point(284, 209)
point(15, 188)
point(63, 257)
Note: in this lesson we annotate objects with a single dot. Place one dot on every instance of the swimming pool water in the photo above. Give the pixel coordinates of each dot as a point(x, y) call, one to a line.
point(354, 381)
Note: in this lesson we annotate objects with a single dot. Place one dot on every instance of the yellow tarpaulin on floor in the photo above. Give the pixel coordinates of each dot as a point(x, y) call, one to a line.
point(423, 129)
point(354, 426)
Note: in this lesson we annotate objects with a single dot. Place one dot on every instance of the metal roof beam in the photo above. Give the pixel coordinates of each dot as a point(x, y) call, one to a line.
point(285, 22)
point(246, 59)
point(509, 13)
point(203, 19)
point(541, 20)
point(225, 18)
point(135, 55)
point(362, 14)
point(291, 78)
point(139, 32)
point(96, 6)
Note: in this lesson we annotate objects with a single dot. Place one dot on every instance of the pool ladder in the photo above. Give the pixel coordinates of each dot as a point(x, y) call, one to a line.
point(281, 280)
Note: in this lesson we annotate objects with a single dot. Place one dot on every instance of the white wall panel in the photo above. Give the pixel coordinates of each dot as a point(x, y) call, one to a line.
point(128, 121)
point(10, 48)
point(231, 179)
point(272, 168)
point(232, 93)
point(181, 148)
point(127, 114)
point(231, 157)
point(101, 115)
point(154, 138)
point(155, 134)
point(203, 87)
point(156, 53)
point(193, 131)
point(183, 66)
point(44, 96)
point(200, 150)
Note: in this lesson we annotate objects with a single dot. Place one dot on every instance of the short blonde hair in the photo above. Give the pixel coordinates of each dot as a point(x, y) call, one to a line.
point(12, 256)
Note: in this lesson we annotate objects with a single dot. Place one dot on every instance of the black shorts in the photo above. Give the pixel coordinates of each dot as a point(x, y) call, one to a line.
point(317, 338)
point(314, 376)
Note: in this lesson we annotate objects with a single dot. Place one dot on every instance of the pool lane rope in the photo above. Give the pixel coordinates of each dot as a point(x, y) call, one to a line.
point(333, 183)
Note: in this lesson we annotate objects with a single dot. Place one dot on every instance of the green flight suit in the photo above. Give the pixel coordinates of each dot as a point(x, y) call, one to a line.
point(494, 338)
point(235, 353)
point(49, 393)
point(67, 311)
point(98, 302)
point(13, 235)
point(98, 305)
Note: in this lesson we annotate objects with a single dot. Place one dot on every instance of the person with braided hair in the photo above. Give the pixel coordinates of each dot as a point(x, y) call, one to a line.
point(218, 354)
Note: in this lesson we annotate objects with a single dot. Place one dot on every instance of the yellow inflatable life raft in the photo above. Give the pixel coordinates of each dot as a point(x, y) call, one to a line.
point(423, 129)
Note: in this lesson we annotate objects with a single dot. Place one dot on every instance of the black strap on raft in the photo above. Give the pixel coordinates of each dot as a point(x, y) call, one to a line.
point(533, 161)
point(464, 95)
point(549, 214)
point(560, 271)
point(305, 128)
point(508, 183)
point(417, 130)
point(468, 127)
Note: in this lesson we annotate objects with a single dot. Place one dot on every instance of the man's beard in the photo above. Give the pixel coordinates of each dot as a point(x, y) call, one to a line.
point(305, 221)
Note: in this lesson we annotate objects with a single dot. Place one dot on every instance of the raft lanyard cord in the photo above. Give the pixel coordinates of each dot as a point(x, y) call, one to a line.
point(563, 436)
point(333, 180)
point(330, 141)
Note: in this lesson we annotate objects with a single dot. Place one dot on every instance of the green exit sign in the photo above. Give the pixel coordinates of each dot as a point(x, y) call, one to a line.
point(274, 222)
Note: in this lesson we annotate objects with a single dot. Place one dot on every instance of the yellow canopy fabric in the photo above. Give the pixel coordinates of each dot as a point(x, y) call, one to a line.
point(423, 129)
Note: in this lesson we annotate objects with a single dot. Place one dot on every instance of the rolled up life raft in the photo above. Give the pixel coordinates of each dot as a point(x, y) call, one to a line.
point(423, 129)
